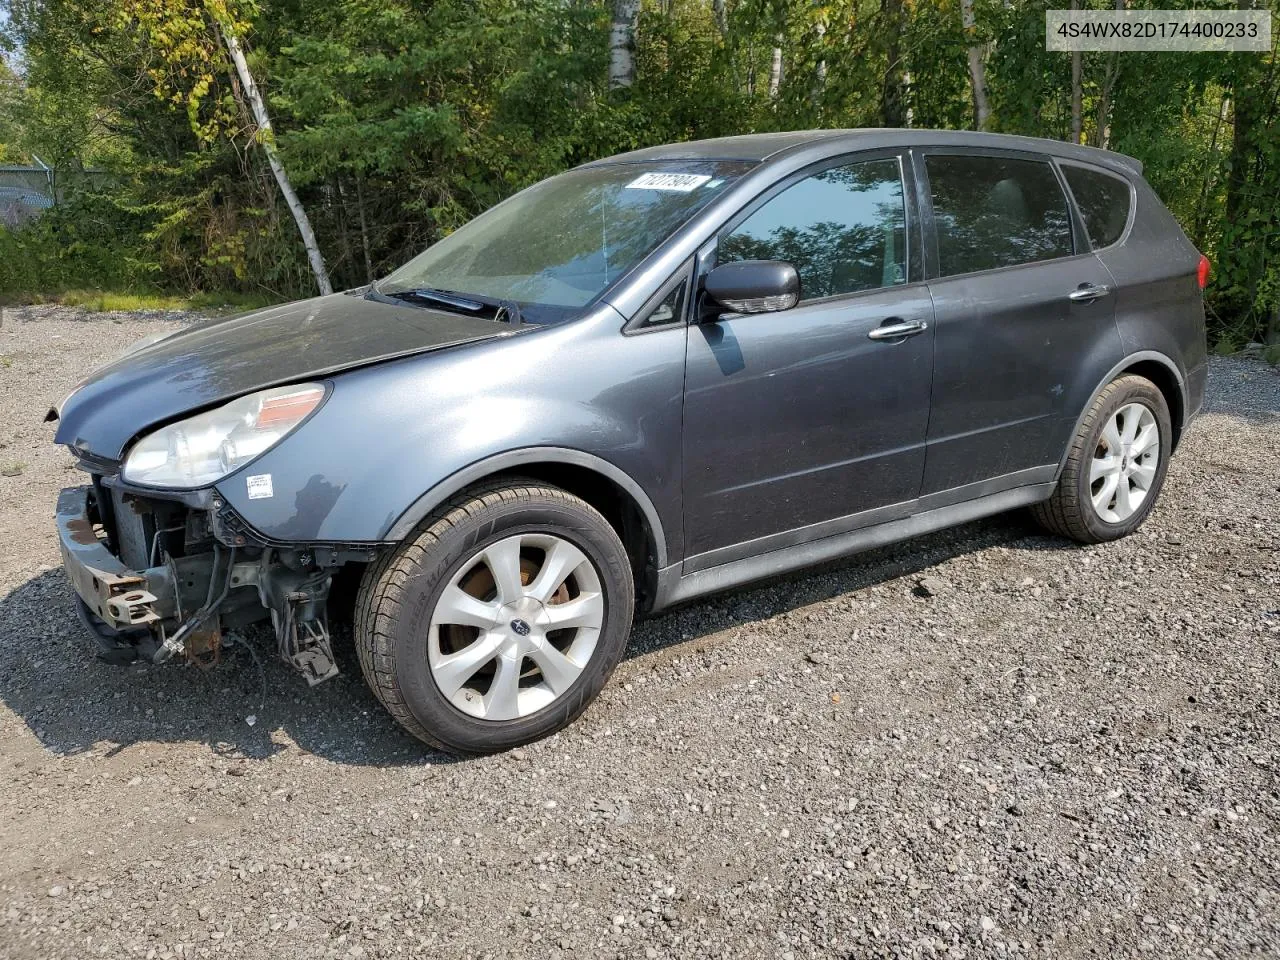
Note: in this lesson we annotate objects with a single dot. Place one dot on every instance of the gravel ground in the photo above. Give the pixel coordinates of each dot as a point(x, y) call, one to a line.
point(1061, 752)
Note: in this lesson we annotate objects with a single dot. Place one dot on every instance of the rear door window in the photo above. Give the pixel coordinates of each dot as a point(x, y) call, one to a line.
point(991, 212)
point(844, 230)
point(1103, 201)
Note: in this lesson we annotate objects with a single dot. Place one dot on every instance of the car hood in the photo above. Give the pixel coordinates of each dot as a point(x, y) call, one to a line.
point(218, 360)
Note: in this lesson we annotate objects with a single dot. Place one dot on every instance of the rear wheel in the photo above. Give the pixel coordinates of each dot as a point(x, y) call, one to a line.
point(1115, 467)
point(499, 620)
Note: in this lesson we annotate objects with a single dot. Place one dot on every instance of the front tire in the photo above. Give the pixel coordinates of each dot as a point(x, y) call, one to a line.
point(1115, 467)
point(498, 620)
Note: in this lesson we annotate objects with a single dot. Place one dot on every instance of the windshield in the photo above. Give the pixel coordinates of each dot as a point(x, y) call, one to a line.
point(555, 247)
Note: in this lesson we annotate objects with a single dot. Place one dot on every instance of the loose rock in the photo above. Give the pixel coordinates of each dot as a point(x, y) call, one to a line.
point(1000, 764)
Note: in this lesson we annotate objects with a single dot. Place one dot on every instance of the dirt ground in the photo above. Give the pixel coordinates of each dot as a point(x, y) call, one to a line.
point(1063, 752)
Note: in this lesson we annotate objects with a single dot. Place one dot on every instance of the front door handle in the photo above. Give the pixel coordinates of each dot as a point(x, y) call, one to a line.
point(898, 331)
point(1088, 292)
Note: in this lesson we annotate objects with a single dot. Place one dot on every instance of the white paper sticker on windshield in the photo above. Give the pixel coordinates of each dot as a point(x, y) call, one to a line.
point(259, 486)
point(679, 182)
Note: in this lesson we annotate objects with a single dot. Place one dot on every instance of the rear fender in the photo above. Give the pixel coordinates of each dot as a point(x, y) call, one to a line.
point(1148, 356)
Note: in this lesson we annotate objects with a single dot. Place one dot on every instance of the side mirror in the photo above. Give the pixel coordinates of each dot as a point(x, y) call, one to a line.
point(754, 286)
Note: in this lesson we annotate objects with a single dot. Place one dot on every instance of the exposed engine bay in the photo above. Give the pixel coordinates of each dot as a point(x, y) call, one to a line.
point(163, 576)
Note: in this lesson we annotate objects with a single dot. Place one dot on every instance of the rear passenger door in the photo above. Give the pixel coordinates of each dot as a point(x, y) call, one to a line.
point(1022, 310)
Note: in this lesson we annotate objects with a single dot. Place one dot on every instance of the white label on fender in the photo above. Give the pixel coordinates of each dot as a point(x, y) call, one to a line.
point(679, 182)
point(259, 486)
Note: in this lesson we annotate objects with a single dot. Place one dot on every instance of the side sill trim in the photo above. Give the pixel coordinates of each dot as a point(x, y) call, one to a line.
point(867, 518)
point(674, 588)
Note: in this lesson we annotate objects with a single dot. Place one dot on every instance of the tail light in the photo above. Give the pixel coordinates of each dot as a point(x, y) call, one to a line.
point(1202, 272)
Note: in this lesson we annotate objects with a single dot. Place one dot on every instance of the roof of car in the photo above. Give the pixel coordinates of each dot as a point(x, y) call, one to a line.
point(759, 147)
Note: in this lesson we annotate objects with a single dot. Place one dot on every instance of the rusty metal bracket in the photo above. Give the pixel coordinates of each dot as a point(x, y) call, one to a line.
point(116, 594)
point(204, 645)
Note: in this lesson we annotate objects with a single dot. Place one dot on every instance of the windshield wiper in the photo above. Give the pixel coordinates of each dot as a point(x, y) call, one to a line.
point(501, 310)
point(445, 297)
point(508, 311)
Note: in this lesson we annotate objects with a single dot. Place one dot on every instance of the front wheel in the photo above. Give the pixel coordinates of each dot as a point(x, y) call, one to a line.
point(499, 620)
point(1116, 464)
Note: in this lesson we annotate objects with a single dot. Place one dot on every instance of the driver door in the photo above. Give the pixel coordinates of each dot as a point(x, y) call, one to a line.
point(799, 421)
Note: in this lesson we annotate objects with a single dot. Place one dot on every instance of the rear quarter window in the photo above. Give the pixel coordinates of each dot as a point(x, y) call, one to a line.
point(992, 212)
point(1103, 201)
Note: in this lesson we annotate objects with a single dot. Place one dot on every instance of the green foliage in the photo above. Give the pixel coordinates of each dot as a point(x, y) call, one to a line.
point(1225, 347)
point(98, 301)
point(72, 246)
point(399, 120)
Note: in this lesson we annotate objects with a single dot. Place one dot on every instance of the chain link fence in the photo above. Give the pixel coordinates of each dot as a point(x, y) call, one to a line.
point(25, 193)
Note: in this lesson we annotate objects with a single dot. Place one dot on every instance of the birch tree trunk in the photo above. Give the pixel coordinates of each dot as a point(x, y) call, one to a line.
point(775, 69)
point(977, 70)
point(622, 44)
point(364, 231)
point(1077, 98)
point(721, 17)
point(820, 71)
point(267, 138)
point(1077, 91)
point(893, 94)
point(1102, 133)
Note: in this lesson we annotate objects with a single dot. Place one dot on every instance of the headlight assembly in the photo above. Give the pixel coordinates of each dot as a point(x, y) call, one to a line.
point(205, 448)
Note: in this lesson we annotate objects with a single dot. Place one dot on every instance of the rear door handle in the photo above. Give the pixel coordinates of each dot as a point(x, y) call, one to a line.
point(898, 331)
point(1088, 292)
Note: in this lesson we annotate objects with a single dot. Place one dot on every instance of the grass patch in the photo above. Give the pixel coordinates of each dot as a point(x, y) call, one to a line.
point(107, 301)
point(97, 301)
point(100, 301)
point(230, 301)
point(1225, 348)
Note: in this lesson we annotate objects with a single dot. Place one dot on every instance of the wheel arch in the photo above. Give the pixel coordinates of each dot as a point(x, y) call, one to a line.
point(1170, 383)
point(607, 488)
point(1160, 370)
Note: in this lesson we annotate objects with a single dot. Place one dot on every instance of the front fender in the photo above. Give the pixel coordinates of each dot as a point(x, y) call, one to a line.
point(514, 460)
point(399, 437)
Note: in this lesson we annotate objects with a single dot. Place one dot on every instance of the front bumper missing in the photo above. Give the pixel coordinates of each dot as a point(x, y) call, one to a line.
point(183, 605)
point(121, 598)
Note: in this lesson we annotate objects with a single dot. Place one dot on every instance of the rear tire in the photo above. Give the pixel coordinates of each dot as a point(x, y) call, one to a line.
point(1115, 466)
point(453, 638)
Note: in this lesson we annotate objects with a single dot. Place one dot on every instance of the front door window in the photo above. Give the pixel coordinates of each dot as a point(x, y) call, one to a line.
point(844, 229)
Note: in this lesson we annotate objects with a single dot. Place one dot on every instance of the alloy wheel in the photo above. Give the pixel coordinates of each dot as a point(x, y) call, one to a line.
point(1125, 463)
point(516, 626)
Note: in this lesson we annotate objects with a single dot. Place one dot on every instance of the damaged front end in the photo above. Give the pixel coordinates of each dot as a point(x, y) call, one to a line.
point(165, 575)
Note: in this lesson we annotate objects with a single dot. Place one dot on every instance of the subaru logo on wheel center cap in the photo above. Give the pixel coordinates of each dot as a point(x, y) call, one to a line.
point(520, 627)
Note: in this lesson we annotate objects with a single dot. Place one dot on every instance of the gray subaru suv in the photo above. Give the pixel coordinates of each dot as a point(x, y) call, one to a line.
point(655, 376)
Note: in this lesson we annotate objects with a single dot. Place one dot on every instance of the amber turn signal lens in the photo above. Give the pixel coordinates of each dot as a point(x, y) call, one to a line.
point(290, 407)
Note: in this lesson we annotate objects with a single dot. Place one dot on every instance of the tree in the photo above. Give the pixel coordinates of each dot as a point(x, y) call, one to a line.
point(893, 90)
point(721, 17)
point(397, 121)
point(188, 36)
point(977, 70)
point(1077, 91)
point(622, 44)
point(266, 138)
point(775, 67)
